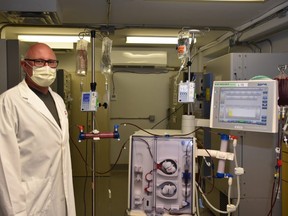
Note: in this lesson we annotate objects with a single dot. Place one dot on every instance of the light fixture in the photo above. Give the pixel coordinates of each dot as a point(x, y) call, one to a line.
point(153, 40)
point(230, 0)
point(54, 41)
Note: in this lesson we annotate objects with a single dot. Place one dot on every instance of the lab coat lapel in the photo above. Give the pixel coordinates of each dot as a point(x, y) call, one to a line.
point(62, 113)
point(36, 102)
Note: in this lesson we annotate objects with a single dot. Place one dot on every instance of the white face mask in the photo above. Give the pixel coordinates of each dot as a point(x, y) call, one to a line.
point(43, 76)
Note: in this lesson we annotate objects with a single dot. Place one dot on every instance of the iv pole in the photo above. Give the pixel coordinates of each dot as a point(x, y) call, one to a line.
point(192, 32)
point(188, 121)
point(93, 88)
point(95, 135)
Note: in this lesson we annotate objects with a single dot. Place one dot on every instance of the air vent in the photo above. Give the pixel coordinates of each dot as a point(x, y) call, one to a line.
point(139, 58)
point(32, 18)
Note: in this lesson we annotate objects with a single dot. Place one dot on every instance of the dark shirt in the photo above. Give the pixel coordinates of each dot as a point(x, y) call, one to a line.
point(49, 102)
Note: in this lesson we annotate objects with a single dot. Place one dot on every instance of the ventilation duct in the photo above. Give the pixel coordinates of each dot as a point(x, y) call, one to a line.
point(33, 18)
point(33, 12)
point(265, 29)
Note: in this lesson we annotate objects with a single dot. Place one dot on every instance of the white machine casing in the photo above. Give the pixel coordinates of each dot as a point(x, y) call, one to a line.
point(256, 150)
point(161, 175)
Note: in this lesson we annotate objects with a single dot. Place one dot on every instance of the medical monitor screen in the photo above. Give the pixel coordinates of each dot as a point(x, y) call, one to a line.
point(245, 105)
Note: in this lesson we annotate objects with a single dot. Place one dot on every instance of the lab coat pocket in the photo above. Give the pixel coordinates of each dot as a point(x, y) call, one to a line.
point(38, 195)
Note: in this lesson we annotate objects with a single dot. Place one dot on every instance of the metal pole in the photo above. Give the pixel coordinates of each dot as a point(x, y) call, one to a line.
point(189, 79)
point(93, 88)
point(189, 107)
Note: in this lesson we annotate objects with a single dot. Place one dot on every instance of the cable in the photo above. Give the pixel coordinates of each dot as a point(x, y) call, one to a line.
point(274, 201)
point(89, 167)
point(211, 168)
point(207, 201)
point(83, 159)
point(135, 71)
point(138, 127)
point(85, 162)
point(277, 167)
point(149, 149)
point(122, 148)
point(115, 163)
point(197, 202)
point(86, 171)
point(167, 117)
point(238, 186)
point(157, 135)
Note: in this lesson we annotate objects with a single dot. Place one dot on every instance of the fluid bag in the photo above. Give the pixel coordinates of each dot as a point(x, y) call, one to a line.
point(81, 57)
point(183, 45)
point(106, 64)
point(282, 85)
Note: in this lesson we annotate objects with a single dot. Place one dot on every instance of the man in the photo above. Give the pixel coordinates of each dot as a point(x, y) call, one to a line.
point(35, 163)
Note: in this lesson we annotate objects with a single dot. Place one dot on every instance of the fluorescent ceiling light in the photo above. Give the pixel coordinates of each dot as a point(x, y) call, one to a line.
point(152, 40)
point(60, 45)
point(50, 38)
point(214, 0)
point(231, 0)
point(54, 41)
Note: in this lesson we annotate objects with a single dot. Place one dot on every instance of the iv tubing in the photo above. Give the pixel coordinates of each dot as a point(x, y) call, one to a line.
point(237, 177)
point(178, 74)
point(197, 201)
point(229, 191)
point(207, 201)
point(238, 186)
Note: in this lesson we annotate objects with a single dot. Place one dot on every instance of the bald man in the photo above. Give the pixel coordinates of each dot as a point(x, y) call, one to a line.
point(35, 160)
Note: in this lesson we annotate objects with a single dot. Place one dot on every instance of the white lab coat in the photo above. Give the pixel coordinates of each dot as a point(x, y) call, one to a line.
point(32, 149)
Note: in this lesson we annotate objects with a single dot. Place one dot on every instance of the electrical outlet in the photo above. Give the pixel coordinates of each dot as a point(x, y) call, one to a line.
point(113, 97)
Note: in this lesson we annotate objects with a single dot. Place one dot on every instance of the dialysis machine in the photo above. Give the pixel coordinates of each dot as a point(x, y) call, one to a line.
point(242, 110)
point(163, 167)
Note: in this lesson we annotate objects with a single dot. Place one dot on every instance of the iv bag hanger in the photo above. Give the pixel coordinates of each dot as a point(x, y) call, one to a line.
point(191, 34)
point(282, 69)
point(186, 42)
